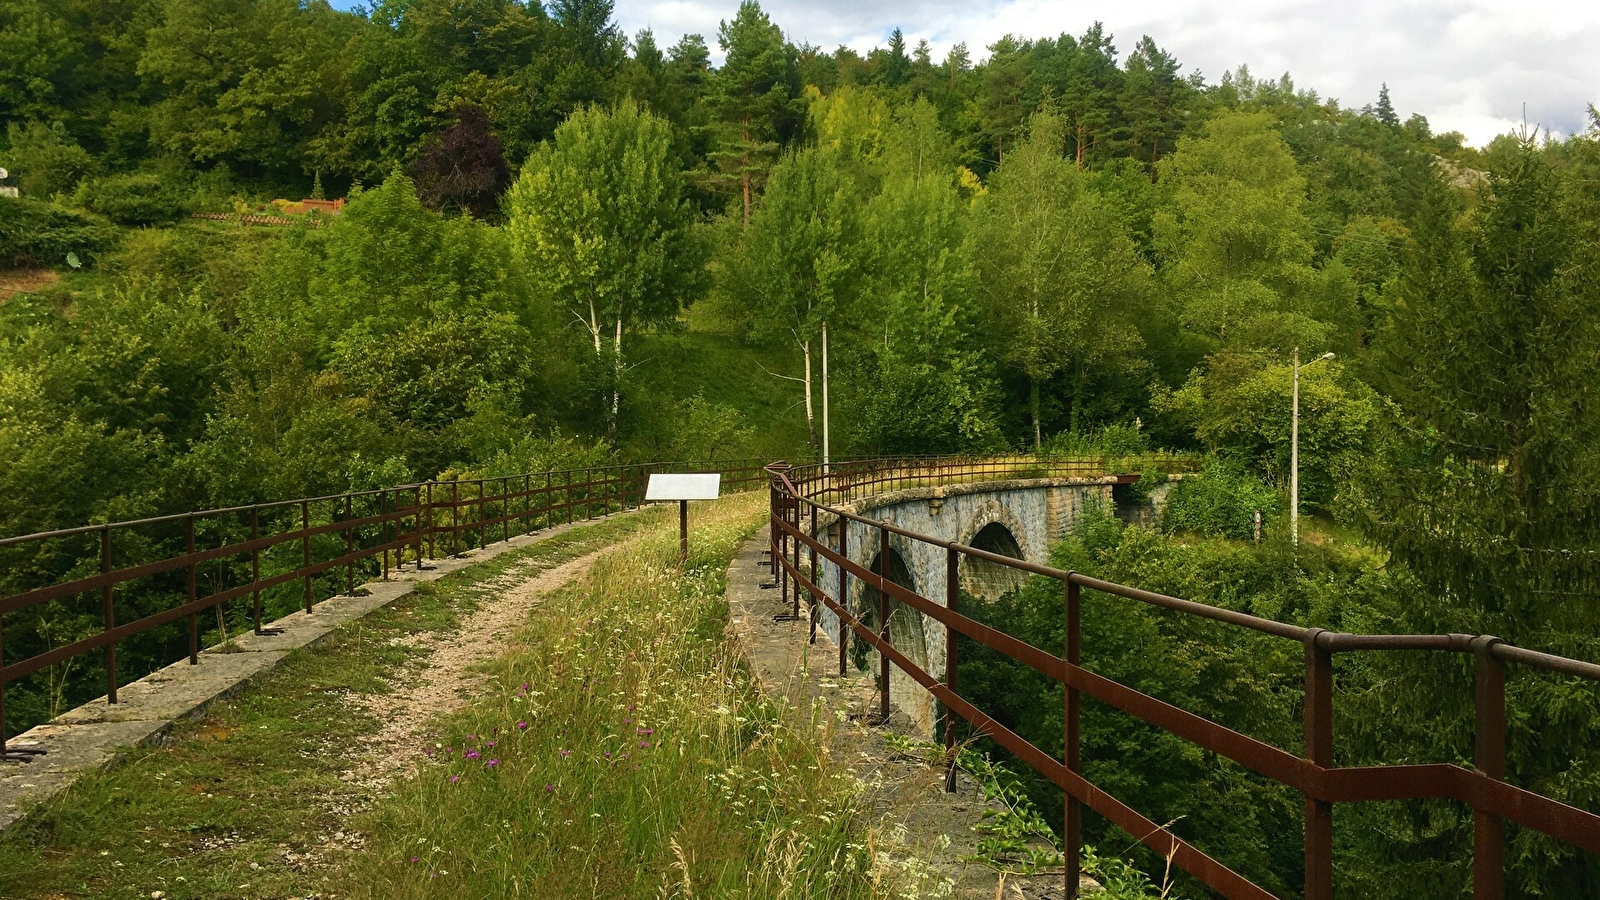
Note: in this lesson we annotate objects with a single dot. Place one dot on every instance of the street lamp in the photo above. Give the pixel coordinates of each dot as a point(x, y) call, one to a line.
point(1294, 451)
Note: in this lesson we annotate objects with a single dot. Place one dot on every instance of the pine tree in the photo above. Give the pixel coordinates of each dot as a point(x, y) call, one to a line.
point(752, 102)
point(1385, 110)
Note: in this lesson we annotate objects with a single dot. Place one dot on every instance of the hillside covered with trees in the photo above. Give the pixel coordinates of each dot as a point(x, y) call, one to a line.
point(563, 244)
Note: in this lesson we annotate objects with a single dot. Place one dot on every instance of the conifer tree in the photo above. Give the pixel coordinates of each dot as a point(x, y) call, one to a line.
point(752, 102)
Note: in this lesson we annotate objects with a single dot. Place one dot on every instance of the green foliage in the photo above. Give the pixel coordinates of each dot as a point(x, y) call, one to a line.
point(1221, 502)
point(598, 217)
point(1241, 407)
point(137, 199)
point(45, 160)
point(1012, 828)
point(707, 430)
point(34, 233)
point(1059, 274)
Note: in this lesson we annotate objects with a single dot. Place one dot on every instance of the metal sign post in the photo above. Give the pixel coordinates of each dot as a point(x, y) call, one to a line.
point(683, 488)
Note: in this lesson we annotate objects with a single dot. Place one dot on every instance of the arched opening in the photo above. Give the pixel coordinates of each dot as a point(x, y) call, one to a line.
point(905, 623)
point(985, 579)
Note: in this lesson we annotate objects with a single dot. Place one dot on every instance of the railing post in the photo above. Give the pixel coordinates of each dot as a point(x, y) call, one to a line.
point(1489, 758)
point(844, 592)
point(107, 597)
point(569, 496)
point(383, 530)
point(1319, 752)
point(505, 508)
point(432, 550)
point(794, 541)
point(952, 596)
point(349, 547)
point(305, 550)
point(455, 517)
point(483, 513)
point(1072, 827)
point(812, 549)
point(2, 687)
point(883, 621)
point(416, 534)
point(255, 566)
point(194, 617)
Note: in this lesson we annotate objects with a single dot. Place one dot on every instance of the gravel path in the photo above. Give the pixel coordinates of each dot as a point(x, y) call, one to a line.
point(441, 684)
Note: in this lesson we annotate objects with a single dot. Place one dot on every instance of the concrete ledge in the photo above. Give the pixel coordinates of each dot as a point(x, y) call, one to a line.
point(95, 734)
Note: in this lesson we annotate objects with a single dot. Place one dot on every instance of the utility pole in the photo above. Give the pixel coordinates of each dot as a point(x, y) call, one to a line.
point(825, 459)
point(1294, 451)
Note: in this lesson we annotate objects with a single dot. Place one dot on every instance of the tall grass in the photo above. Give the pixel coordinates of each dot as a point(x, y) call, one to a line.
point(624, 752)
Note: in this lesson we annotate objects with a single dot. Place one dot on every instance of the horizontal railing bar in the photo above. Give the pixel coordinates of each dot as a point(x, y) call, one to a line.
point(1203, 867)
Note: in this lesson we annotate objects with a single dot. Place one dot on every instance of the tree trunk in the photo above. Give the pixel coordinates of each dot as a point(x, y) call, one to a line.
point(594, 327)
point(1076, 418)
point(744, 174)
point(1033, 405)
point(811, 418)
point(616, 378)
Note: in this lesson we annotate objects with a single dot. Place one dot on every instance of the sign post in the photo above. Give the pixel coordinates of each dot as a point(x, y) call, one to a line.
point(683, 488)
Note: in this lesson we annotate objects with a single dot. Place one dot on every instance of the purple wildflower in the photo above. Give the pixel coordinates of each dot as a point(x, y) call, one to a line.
point(565, 753)
point(522, 726)
point(454, 778)
point(490, 744)
point(415, 859)
point(644, 731)
point(643, 744)
point(471, 754)
point(491, 763)
point(549, 787)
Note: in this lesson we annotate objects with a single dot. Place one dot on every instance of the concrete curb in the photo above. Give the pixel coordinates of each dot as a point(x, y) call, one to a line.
point(94, 735)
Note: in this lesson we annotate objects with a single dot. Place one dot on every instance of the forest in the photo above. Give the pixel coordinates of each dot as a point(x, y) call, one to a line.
point(564, 245)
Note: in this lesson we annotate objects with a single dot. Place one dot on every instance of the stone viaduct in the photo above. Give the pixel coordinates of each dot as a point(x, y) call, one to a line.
point(1018, 518)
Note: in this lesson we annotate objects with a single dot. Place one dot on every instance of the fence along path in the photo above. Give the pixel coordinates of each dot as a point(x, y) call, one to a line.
point(799, 495)
point(195, 562)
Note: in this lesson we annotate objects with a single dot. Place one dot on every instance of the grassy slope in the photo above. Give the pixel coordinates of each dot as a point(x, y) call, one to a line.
point(210, 813)
point(725, 371)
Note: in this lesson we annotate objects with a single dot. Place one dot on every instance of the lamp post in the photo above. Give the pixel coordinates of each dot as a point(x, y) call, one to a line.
point(1294, 451)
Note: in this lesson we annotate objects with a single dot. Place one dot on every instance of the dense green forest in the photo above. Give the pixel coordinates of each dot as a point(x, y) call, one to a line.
point(565, 245)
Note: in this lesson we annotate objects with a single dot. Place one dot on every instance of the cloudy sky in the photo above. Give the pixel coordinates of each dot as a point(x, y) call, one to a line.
point(1468, 65)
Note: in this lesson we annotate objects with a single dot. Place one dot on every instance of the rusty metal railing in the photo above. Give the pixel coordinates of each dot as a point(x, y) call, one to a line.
point(380, 529)
point(796, 504)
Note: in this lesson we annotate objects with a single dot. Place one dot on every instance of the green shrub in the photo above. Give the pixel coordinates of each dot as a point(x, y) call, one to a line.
point(44, 159)
point(1124, 439)
point(1222, 502)
point(134, 199)
point(35, 233)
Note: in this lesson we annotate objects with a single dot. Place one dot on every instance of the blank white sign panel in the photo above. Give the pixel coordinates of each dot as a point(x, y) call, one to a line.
point(683, 487)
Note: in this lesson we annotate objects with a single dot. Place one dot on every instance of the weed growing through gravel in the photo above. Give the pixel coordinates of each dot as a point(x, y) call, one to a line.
point(624, 752)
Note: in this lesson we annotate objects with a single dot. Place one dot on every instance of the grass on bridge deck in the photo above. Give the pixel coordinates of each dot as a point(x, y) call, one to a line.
point(639, 762)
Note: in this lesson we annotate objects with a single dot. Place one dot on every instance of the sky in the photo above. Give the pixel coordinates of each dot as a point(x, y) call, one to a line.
point(1467, 65)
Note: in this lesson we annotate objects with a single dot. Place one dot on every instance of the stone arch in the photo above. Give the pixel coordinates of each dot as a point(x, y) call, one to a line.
point(995, 528)
point(906, 632)
point(985, 579)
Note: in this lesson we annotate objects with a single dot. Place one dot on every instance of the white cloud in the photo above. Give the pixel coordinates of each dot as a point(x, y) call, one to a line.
point(1468, 65)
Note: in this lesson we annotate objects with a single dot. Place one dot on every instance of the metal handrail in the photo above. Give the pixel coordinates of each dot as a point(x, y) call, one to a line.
point(395, 525)
point(1493, 800)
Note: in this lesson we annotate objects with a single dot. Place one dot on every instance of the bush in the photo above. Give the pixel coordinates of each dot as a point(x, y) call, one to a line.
point(134, 199)
point(44, 159)
point(34, 233)
point(1124, 439)
point(1221, 502)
